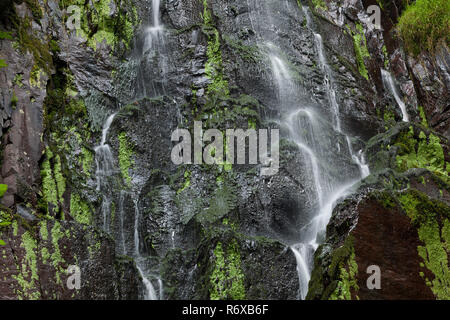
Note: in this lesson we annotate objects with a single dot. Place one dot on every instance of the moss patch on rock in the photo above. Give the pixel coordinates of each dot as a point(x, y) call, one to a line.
point(125, 157)
point(431, 218)
point(227, 279)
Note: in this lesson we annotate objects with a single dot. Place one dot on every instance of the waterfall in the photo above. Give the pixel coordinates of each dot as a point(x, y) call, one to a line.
point(153, 57)
point(389, 84)
point(309, 131)
point(105, 168)
point(312, 231)
point(150, 293)
point(154, 33)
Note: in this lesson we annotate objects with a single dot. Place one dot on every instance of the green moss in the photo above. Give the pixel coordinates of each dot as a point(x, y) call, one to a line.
point(18, 80)
point(59, 178)
point(15, 226)
point(344, 265)
point(28, 41)
point(35, 9)
point(28, 276)
point(48, 182)
point(14, 100)
point(45, 254)
point(320, 4)
point(56, 257)
point(246, 52)
point(429, 153)
point(423, 24)
point(125, 157)
point(5, 35)
point(389, 119)
point(386, 57)
point(80, 210)
point(99, 24)
point(3, 64)
point(35, 76)
point(360, 46)
point(44, 230)
point(214, 65)
point(431, 218)
point(423, 117)
point(87, 160)
point(187, 181)
point(227, 279)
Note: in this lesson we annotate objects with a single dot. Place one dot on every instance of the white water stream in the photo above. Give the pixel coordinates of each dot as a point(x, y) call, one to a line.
point(389, 83)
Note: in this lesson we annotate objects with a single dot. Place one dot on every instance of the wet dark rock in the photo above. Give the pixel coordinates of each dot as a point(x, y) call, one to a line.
point(185, 211)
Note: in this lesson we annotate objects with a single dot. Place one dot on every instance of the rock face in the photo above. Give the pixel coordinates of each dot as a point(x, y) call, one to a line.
point(395, 221)
point(37, 258)
point(214, 231)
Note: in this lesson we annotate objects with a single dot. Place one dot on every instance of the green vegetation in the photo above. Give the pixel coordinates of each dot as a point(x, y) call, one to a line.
point(3, 189)
point(227, 279)
point(99, 24)
point(213, 67)
point(56, 257)
point(360, 46)
point(423, 116)
point(431, 218)
point(424, 152)
point(389, 119)
point(53, 181)
point(27, 277)
point(319, 4)
point(5, 35)
point(80, 210)
point(386, 57)
point(125, 157)
point(14, 100)
point(5, 218)
point(246, 52)
point(28, 41)
point(187, 181)
point(424, 23)
point(344, 265)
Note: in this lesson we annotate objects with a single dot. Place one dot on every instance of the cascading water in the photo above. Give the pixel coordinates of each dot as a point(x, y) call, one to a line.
point(389, 84)
point(154, 33)
point(153, 56)
point(105, 167)
point(150, 293)
point(152, 49)
point(309, 130)
point(317, 226)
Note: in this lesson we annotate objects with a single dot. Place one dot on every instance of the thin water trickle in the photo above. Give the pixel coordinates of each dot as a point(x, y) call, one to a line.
point(389, 83)
point(150, 293)
point(124, 231)
point(150, 290)
point(105, 165)
point(154, 33)
point(103, 156)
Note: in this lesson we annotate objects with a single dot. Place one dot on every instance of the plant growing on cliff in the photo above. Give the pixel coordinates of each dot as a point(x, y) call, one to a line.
point(424, 23)
point(227, 279)
point(125, 154)
point(4, 218)
point(424, 152)
point(431, 218)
